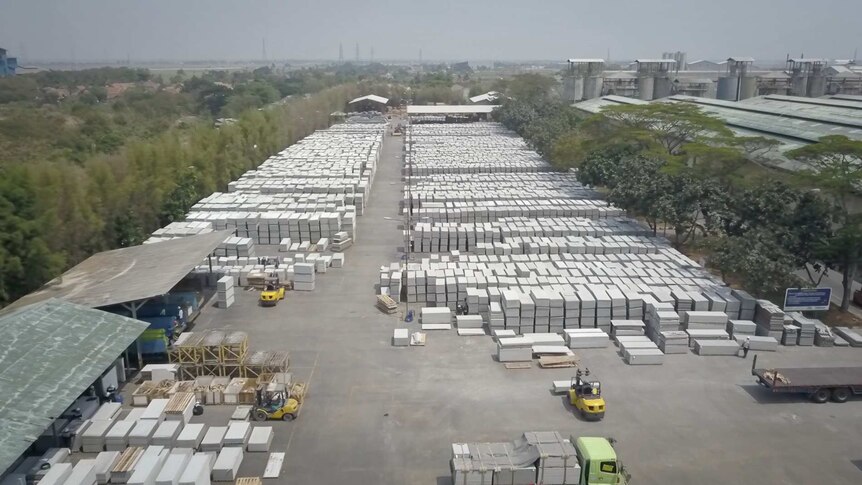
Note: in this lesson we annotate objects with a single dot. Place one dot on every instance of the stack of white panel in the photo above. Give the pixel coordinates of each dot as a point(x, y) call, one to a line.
point(586, 338)
point(167, 433)
point(260, 439)
point(400, 337)
point(197, 471)
point(468, 321)
point(173, 467)
point(93, 438)
point(716, 347)
point(155, 410)
point(237, 434)
point(303, 276)
point(673, 342)
point(143, 431)
point(706, 334)
point(516, 349)
point(496, 317)
point(117, 438)
point(436, 316)
point(623, 328)
point(511, 303)
point(542, 301)
point(84, 473)
point(105, 462)
point(338, 260)
point(227, 464)
point(588, 309)
point(148, 468)
point(701, 320)
point(760, 344)
point(57, 474)
point(528, 313)
point(225, 296)
point(213, 439)
point(741, 328)
point(643, 356)
point(191, 436)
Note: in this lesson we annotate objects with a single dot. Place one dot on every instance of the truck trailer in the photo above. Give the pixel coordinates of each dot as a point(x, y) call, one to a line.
point(819, 383)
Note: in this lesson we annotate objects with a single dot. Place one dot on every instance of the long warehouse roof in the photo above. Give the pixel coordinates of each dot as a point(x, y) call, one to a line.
point(371, 97)
point(53, 351)
point(128, 274)
point(449, 109)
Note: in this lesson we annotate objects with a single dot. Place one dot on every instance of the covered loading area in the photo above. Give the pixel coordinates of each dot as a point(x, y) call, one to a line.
point(53, 352)
point(122, 281)
point(450, 113)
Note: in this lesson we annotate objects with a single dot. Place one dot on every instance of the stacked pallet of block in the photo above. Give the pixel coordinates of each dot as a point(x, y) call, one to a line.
point(769, 319)
point(536, 457)
point(311, 190)
point(225, 295)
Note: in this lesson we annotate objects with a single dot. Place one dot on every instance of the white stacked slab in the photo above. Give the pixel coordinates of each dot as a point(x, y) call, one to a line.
point(468, 321)
point(227, 464)
point(643, 356)
point(83, 473)
point(400, 337)
point(516, 349)
point(673, 342)
point(701, 320)
point(197, 471)
point(716, 347)
point(741, 328)
point(167, 432)
point(622, 328)
point(225, 295)
point(586, 338)
point(706, 334)
point(93, 438)
point(213, 440)
point(142, 432)
point(303, 276)
point(191, 436)
point(260, 439)
point(173, 467)
point(103, 465)
point(57, 474)
point(148, 468)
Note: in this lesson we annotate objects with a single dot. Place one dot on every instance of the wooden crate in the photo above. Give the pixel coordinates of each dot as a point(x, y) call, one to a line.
point(187, 349)
point(211, 346)
point(234, 348)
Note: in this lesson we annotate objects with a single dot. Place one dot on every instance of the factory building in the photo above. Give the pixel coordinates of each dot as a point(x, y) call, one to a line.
point(678, 57)
point(653, 77)
point(737, 83)
point(7, 64)
point(583, 79)
point(370, 102)
point(807, 77)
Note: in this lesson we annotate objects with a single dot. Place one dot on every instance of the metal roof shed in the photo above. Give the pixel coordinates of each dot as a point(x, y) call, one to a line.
point(54, 351)
point(370, 97)
point(128, 276)
point(450, 109)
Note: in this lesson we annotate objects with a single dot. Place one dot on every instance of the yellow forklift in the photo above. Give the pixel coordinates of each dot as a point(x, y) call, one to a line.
point(277, 401)
point(271, 294)
point(585, 395)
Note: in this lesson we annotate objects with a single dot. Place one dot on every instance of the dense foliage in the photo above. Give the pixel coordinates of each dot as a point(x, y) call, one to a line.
point(685, 174)
point(77, 178)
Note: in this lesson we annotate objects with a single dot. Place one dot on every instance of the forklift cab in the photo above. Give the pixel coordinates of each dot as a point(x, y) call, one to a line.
point(585, 395)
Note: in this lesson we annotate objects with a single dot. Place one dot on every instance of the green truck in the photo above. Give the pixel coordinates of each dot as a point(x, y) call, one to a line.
point(538, 458)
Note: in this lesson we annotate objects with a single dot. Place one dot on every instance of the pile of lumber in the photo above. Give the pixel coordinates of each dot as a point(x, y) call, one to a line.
point(386, 304)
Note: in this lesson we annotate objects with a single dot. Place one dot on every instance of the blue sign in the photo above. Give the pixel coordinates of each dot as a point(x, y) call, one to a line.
point(807, 299)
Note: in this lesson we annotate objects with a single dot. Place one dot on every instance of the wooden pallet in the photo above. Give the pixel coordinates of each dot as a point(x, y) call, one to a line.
point(557, 362)
point(518, 365)
point(248, 481)
point(386, 304)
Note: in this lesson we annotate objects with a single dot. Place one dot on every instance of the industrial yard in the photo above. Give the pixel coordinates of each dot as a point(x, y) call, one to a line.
point(464, 219)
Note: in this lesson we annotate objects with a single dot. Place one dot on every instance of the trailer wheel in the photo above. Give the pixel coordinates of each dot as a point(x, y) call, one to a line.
point(820, 395)
point(840, 394)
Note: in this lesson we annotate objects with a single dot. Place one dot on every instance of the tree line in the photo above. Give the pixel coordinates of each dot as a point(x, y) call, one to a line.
point(684, 173)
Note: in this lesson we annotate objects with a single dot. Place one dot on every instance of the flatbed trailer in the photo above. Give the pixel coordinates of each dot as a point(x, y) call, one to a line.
point(819, 383)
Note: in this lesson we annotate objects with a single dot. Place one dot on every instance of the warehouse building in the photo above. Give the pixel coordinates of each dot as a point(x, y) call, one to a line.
point(59, 361)
point(370, 102)
point(792, 120)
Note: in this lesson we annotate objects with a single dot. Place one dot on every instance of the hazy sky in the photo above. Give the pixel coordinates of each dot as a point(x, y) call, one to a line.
point(443, 29)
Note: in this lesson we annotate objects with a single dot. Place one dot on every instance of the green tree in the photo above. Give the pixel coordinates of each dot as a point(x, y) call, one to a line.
point(530, 87)
point(836, 167)
point(669, 125)
point(183, 196)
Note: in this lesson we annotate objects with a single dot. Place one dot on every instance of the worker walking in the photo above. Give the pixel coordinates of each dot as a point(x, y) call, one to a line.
point(745, 346)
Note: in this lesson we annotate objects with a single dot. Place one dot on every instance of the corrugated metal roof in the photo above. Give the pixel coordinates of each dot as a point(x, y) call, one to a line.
point(489, 96)
point(655, 61)
point(740, 59)
point(585, 61)
point(371, 97)
point(128, 274)
point(807, 60)
point(53, 351)
point(450, 109)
